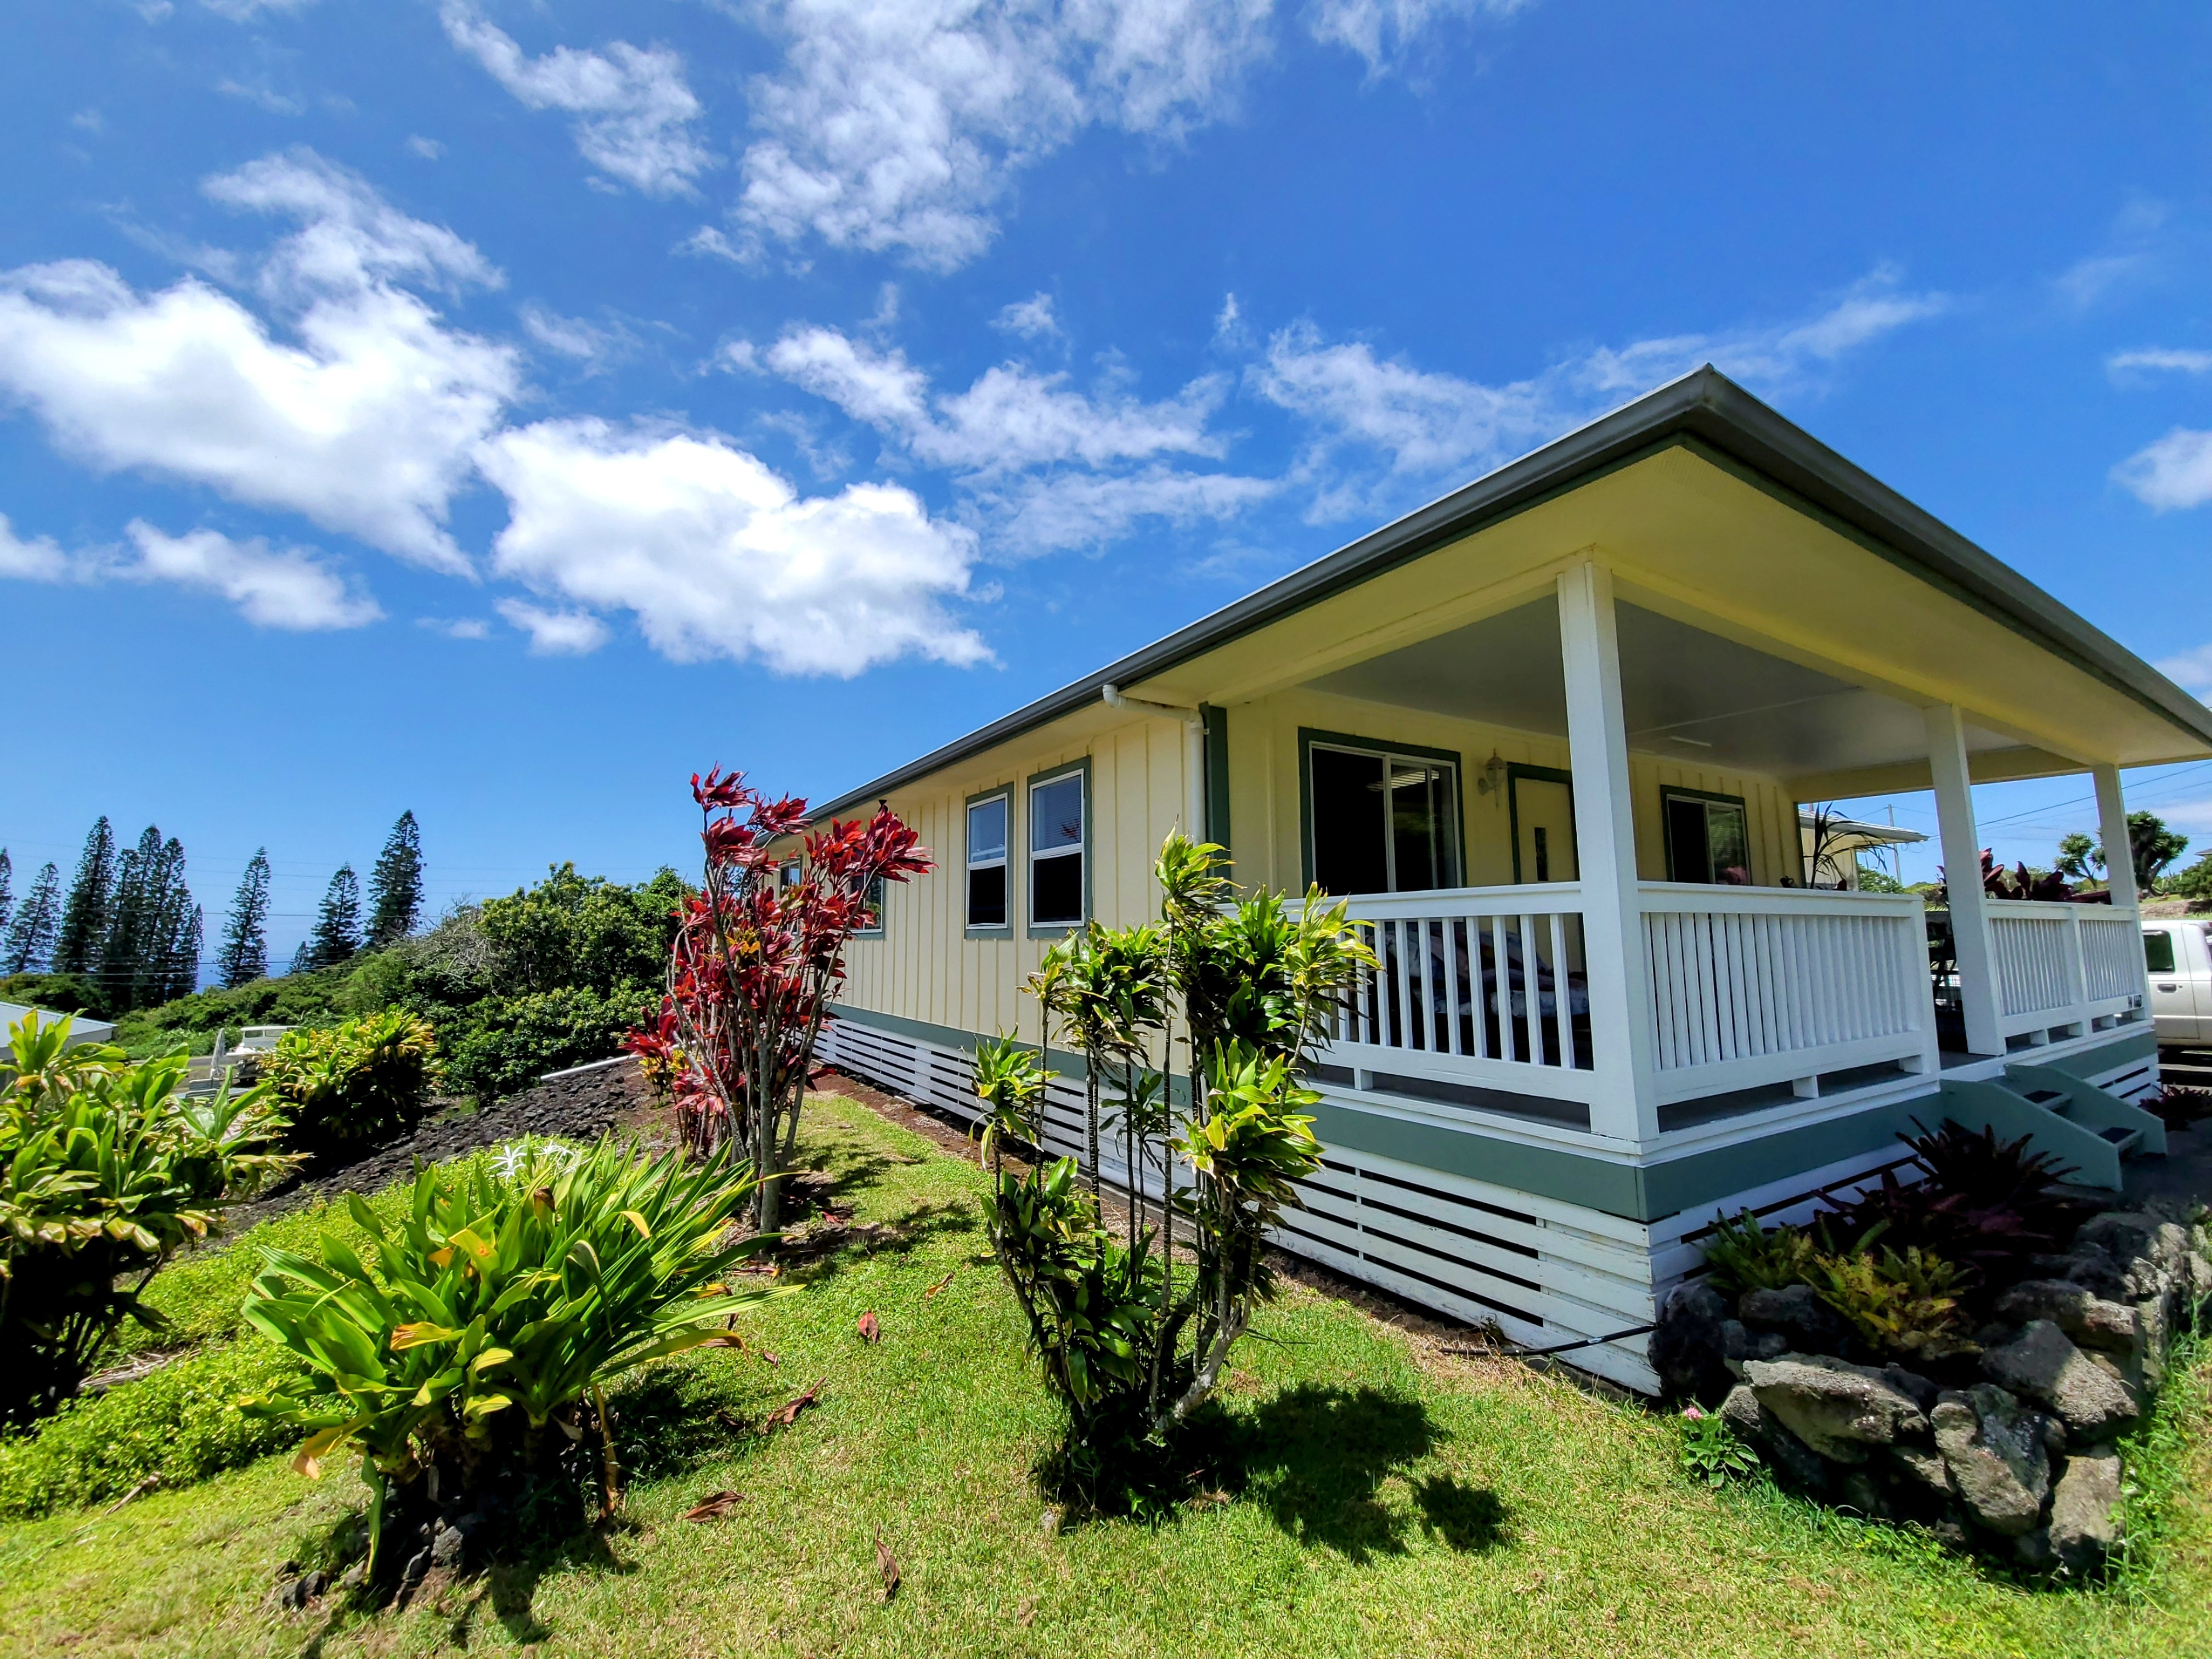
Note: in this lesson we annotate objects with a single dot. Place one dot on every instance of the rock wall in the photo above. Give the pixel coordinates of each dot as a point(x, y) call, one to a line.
point(2015, 1449)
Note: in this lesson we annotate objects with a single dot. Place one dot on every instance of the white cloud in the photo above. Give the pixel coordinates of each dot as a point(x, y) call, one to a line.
point(573, 336)
point(635, 112)
point(429, 149)
point(38, 559)
point(1422, 424)
point(2191, 669)
point(1076, 510)
point(709, 243)
point(895, 124)
point(2175, 471)
point(260, 93)
point(88, 120)
point(555, 633)
point(2158, 359)
point(718, 557)
point(290, 588)
point(272, 588)
point(1381, 31)
point(364, 426)
point(240, 11)
point(1012, 418)
point(2133, 255)
point(456, 628)
point(1032, 318)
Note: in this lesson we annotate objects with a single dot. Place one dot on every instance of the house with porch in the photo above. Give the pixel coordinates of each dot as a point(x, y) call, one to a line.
point(1550, 736)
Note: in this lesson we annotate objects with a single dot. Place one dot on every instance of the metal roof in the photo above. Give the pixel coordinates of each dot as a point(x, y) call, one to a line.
point(1704, 407)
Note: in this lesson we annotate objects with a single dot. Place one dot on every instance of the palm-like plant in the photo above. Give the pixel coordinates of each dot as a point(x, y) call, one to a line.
point(472, 1343)
point(106, 1170)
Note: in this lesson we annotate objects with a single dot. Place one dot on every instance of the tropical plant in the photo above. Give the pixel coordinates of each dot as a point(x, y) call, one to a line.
point(1710, 1451)
point(755, 961)
point(105, 1170)
point(356, 1084)
point(468, 1348)
point(1010, 1084)
point(1742, 1255)
point(1902, 1303)
point(508, 1042)
point(1132, 1338)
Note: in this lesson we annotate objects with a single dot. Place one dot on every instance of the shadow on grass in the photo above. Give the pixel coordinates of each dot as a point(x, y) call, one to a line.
point(822, 1252)
point(1315, 1457)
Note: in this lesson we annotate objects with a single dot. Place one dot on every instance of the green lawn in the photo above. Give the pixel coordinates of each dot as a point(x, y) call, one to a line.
point(1382, 1499)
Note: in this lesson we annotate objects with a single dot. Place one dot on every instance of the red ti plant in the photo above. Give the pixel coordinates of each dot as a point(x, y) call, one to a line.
point(755, 963)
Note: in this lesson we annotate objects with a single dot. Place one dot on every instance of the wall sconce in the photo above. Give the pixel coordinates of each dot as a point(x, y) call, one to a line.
point(1493, 781)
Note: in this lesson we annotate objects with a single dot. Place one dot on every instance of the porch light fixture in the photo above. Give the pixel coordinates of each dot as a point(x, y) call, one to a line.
point(1493, 781)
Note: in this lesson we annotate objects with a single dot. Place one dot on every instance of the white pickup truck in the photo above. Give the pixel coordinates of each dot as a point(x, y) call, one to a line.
point(2178, 954)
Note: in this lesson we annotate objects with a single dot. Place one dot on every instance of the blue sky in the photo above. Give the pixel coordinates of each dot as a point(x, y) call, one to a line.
point(501, 409)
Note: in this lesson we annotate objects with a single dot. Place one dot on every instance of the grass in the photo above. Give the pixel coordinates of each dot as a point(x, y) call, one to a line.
point(1380, 1498)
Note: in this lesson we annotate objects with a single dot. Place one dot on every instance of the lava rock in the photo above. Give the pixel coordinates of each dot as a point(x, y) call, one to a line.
point(1918, 1468)
point(1688, 1349)
point(2033, 1550)
point(1837, 1408)
point(1915, 1387)
point(1994, 1448)
point(1798, 1313)
point(2089, 1320)
point(2043, 1365)
point(1860, 1491)
point(448, 1548)
point(1789, 1456)
point(2085, 1510)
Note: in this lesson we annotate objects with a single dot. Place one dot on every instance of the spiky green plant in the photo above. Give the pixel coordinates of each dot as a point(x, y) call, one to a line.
point(1744, 1256)
point(351, 1086)
point(1904, 1304)
point(471, 1344)
point(105, 1170)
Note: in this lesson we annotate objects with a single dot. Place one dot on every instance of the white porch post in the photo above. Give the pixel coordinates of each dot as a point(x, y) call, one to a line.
point(2112, 821)
point(1962, 875)
point(1625, 1106)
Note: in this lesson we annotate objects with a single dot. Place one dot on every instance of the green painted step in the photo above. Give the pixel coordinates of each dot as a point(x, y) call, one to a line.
point(2072, 1121)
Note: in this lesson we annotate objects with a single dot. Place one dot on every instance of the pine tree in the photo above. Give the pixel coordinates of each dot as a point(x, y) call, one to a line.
point(169, 963)
point(337, 925)
point(395, 886)
point(30, 939)
point(244, 935)
point(7, 888)
point(91, 902)
point(131, 922)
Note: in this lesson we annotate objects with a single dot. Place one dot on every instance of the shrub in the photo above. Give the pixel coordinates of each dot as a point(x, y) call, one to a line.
point(105, 1169)
point(1131, 1340)
point(179, 1424)
point(1903, 1304)
point(354, 1085)
point(59, 994)
point(1744, 1256)
point(466, 1348)
point(512, 1042)
point(1709, 1450)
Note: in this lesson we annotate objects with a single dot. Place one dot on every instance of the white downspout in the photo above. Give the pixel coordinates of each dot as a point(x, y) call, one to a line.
point(1194, 750)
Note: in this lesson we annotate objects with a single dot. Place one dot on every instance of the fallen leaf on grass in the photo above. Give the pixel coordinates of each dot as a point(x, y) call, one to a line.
point(870, 1331)
point(785, 1416)
point(938, 1286)
point(714, 1506)
point(887, 1564)
point(1025, 1615)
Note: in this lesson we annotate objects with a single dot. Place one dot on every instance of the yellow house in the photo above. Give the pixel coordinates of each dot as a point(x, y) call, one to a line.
point(1552, 733)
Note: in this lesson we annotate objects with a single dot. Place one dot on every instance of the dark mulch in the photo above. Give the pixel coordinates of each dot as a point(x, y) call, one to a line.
point(580, 1108)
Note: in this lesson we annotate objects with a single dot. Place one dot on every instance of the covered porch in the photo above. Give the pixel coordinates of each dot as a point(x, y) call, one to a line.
point(1569, 829)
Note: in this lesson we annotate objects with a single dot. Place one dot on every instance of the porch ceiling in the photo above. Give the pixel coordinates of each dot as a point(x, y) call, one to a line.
point(1688, 694)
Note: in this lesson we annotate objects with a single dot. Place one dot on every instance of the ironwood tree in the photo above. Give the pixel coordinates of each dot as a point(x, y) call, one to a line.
point(395, 886)
point(245, 934)
point(337, 936)
point(86, 914)
point(30, 941)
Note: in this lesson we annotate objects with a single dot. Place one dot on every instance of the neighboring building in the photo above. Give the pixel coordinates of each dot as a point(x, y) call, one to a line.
point(82, 1029)
point(1831, 860)
point(1553, 733)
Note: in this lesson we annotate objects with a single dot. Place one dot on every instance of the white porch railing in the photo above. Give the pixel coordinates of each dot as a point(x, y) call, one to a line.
point(1750, 987)
point(1476, 986)
point(2061, 965)
point(1753, 987)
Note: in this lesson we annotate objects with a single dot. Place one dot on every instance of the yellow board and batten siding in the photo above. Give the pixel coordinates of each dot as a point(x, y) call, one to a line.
point(926, 965)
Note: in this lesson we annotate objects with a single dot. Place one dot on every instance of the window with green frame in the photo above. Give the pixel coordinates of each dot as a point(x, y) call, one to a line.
point(1383, 820)
point(1708, 837)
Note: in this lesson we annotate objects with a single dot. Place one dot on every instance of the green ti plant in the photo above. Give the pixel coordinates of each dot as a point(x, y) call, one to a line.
point(1133, 1332)
point(468, 1349)
point(106, 1170)
point(349, 1086)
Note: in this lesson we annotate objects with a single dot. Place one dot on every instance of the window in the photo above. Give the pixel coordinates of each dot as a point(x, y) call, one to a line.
point(787, 873)
point(1383, 822)
point(872, 903)
point(987, 861)
point(1056, 844)
point(1706, 840)
point(2158, 952)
